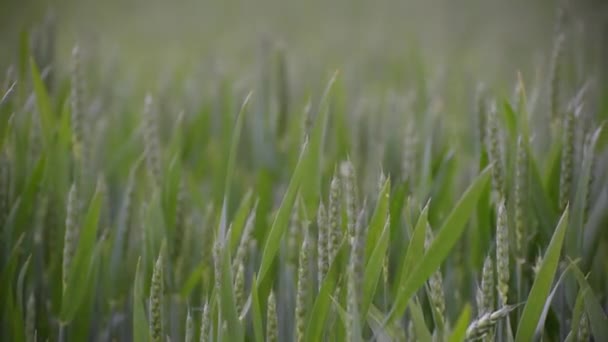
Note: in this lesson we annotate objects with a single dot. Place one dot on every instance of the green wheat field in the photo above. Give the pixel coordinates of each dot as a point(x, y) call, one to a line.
point(305, 174)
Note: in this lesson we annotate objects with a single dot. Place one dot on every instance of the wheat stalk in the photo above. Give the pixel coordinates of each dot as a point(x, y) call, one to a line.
point(151, 139)
point(335, 231)
point(272, 325)
point(355, 275)
point(322, 244)
point(495, 155)
point(70, 241)
point(437, 296)
point(303, 290)
point(156, 301)
point(502, 254)
point(480, 327)
point(349, 190)
point(205, 324)
point(189, 328)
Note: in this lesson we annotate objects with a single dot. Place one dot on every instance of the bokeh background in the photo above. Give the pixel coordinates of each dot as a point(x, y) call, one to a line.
point(488, 38)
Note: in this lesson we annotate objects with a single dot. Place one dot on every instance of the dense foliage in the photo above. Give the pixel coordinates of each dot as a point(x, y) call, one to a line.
point(206, 211)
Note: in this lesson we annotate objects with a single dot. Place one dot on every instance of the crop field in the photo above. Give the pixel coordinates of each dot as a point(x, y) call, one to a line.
point(285, 171)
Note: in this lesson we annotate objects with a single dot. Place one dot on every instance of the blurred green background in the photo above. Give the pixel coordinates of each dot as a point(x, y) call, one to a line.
point(489, 38)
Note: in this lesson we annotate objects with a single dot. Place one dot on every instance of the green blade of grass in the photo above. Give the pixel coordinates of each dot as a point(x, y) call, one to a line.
point(376, 225)
point(375, 319)
point(415, 248)
point(312, 184)
point(227, 300)
point(21, 282)
point(597, 317)
point(191, 281)
point(281, 220)
point(542, 284)
point(355, 333)
point(449, 234)
point(82, 264)
point(230, 164)
point(579, 205)
point(374, 267)
point(460, 329)
point(240, 217)
point(577, 312)
point(317, 317)
point(256, 313)
point(422, 331)
point(44, 104)
point(543, 317)
point(140, 323)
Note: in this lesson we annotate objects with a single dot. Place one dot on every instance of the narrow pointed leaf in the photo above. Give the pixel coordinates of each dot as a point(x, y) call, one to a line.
point(140, 323)
point(449, 234)
point(378, 220)
point(597, 317)
point(374, 268)
point(281, 220)
point(422, 331)
point(460, 329)
point(256, 313)
point(542, 284)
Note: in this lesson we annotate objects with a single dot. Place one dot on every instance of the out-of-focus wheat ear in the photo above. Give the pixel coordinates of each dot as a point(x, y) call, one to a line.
point(555, 76)
point(521, 189)
point(246, 239)
point(485, 295)
point(77, 105)
point(502, 254)
point(180, 221)
point(217, 266)
point(349, 189)
point(495, 155)
point(335, 230)
point(436, 293)
point(486, 300)
point(355, 276)
point(589, 150)
point(303, 291)
point(293, 237)
point(205, 324)
point(322, 243)
point(567, 161)
point(207, 236)
point(307, 122)
point(151, 139)
point(481, 110)
point(189, 328)
point(239, 288)
point(35, 140)
point(408, 162)
point(126, 210)
point(156, 301)
point(272, 324)
point(483, 324)
point(30, 318)
point(283, 96)
point(583, 334)
point(70, 240)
